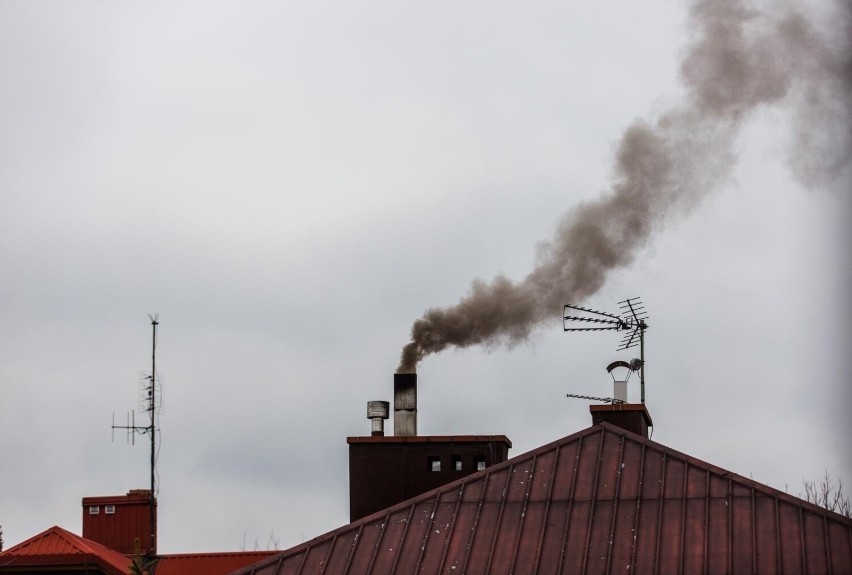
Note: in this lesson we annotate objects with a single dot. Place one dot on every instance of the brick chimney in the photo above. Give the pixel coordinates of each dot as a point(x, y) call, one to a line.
point(385, 470)
point(118, 520)
point(633, 417)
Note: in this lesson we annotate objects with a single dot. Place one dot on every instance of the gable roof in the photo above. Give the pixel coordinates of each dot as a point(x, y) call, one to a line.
point(57, 546)
point(601, 500)
point(208, 563)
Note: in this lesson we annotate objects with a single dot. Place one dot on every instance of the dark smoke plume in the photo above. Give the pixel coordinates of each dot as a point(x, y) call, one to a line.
point(741, 59)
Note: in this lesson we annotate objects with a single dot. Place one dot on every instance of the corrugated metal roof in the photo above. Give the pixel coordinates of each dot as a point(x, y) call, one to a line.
point(57, 546)
point(208, 563)
point(603, 500)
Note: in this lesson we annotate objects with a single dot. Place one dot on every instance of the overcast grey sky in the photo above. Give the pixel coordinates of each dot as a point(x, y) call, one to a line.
point(290, 186)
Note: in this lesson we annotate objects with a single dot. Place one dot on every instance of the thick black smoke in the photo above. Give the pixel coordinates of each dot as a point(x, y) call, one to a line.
point(740, 59)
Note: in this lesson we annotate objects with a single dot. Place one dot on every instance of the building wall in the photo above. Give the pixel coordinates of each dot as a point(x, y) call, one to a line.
point(384, 471)
point(129, 519)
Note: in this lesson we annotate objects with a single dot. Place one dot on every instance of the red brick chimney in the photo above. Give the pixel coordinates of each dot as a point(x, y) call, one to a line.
point(117, 521)
point(633, 417)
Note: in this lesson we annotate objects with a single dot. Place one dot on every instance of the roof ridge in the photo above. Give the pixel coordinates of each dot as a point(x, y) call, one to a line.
point(216, 553)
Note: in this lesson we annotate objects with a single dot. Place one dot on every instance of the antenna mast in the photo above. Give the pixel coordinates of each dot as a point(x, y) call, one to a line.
point(152, 407)
point(151, 404)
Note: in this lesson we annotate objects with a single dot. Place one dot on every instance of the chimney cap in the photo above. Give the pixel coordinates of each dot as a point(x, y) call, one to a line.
point(380, 409)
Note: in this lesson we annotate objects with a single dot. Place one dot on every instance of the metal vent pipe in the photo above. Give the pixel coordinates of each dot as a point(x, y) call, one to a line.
point(377, 412)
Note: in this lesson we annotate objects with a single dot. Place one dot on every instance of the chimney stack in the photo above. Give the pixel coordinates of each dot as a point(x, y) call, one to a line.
point(405, 404)
point(633, 417)
point(118, 521)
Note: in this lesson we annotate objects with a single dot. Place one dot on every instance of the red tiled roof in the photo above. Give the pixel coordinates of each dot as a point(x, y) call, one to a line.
point(602, 500)
point(56, 546)
point(208, 563)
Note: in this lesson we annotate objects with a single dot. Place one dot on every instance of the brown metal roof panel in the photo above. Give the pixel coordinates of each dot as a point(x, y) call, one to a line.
point(599, 551)
point(416, 536)
point(630, 470)
point(365, 546)
point(464, 525)
point(587, 467)
point(670, 536)
point(693, 548)
point(623, 536)
point(741, 518)
point(532, 532)
point(484, 537)
point(815, 543)
point(435, 540)
point(443, 530)
point(550, 553)
point(645, 552)
point(391, 540)
point(765, 534)
point(790, 536)
point(337, 555)
point(513, 517)
point(505, 537)
point(717, 537)
point(575, 543)
point(840, 542)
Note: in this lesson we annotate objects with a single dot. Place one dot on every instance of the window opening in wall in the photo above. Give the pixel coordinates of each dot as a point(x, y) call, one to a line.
point(94, 510)
point(109, 509)
point(434, 463)
point(457, 463)
point(479, 463)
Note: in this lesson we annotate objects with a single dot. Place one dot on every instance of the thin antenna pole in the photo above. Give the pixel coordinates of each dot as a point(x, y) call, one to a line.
point(153, 433)
point(642, 357)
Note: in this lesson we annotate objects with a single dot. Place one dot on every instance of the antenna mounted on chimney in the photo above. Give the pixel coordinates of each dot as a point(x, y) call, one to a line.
point(612, 400)
point(150, 401)
point(632, 321)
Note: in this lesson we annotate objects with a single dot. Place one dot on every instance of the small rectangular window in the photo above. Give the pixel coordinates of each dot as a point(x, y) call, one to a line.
point(109, 509)
point(434, 463)
point(457, 463)
point(94, 510)
point(479, 463)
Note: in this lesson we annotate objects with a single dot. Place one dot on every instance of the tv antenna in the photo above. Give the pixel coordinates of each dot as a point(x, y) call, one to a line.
point(630, 319)
point(612, 400)
point(151, 402)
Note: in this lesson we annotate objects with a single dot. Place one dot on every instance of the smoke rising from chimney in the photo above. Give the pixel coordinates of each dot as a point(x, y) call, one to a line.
point(741, 59)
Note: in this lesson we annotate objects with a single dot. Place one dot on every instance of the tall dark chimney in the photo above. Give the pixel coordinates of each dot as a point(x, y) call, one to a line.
point(405, 404)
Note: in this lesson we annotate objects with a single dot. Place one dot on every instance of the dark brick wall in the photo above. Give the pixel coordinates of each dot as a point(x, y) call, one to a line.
point(384, 471)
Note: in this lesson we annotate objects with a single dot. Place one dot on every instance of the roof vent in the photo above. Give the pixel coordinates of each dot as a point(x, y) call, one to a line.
point(377, 412)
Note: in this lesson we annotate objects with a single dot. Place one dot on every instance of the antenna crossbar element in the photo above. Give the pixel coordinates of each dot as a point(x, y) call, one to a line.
point(629, 340)
point(131, 428)
point(612, 400)
point(613, 322)
point(589, 310)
